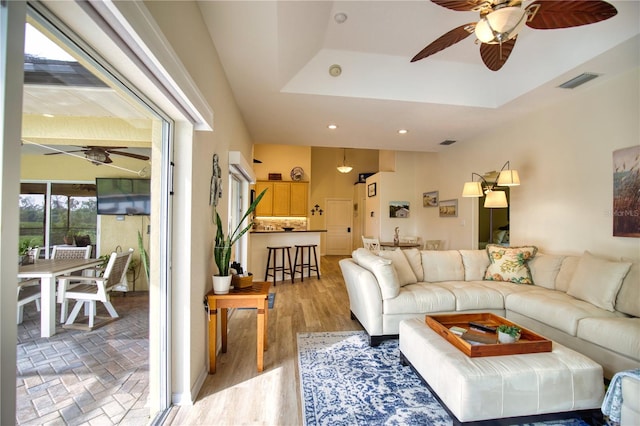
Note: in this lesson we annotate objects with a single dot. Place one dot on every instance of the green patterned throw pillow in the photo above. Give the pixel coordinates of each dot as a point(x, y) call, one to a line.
point(509, 264)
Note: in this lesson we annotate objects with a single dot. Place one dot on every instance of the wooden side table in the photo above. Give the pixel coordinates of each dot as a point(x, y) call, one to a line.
point(250, 297)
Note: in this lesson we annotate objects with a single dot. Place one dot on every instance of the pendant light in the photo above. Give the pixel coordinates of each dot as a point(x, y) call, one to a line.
point(344, 168)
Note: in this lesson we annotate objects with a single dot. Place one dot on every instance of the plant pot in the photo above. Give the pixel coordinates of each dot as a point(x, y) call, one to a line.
point(221, 284)
point(507, 338)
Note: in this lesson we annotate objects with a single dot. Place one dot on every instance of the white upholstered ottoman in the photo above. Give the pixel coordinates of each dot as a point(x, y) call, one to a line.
point(549, 385)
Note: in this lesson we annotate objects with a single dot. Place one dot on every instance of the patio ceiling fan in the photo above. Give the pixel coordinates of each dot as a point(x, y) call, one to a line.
point(100, 154)
point(501, 21)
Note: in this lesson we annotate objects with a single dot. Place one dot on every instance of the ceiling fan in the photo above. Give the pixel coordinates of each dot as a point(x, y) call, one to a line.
point(100, 154)
point(501, 20)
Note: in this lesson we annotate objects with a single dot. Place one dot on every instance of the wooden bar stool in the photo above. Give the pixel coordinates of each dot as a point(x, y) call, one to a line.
point(310, 266)
point(272, 266)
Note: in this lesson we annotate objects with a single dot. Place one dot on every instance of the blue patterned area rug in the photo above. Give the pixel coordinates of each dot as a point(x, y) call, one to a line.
point(344, 381)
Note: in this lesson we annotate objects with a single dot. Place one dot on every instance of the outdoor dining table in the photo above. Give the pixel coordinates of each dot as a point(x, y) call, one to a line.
point(48, 270)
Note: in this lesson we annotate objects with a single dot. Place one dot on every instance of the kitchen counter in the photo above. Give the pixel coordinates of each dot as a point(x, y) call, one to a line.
point(260, 240)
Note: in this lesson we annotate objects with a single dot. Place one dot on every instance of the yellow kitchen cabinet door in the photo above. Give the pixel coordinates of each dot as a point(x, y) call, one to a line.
point(299, 197)
point(265, 206)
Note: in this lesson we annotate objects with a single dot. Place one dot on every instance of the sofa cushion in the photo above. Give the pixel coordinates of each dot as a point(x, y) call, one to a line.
point(420, 298)
point(415, 260)
point(544, 269)
point(382, 269)
point(401, 265)
point(569, 265)
point(442, 265)
point(621, 335)
point(472, 295)
point(554, 308)
point(475, 264)
point(597, 280)
point(509, 264)
point(628, 300)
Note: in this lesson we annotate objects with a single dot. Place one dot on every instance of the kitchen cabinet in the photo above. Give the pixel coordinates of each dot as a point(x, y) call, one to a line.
point(265, 206)
point(282, 198)
point(299, 197)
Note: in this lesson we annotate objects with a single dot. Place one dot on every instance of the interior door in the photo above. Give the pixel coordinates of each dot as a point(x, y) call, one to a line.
point(339, 222)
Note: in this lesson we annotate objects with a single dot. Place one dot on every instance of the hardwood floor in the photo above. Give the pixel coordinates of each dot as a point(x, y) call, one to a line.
point(237, 394)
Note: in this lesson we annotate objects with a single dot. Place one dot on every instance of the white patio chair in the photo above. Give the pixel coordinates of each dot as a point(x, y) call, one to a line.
point(92, 289)
point(68, 252)
point(371, 243)
point(28, 289)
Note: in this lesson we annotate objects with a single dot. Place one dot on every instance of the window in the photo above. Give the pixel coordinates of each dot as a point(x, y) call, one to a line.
point(51, 213)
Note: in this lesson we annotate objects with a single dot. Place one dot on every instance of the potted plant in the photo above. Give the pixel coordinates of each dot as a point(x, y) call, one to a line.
point(224, 244)
point(69, 238)
point(508, 333)
point(24, 248)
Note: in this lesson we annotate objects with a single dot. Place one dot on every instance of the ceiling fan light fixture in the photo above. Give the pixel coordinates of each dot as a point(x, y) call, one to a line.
point(501, 25)
point(95, 156)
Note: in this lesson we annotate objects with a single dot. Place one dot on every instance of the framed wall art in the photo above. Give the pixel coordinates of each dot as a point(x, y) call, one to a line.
point(399, 209)
point(430, 199)
point(371, 189)
point(626, 186)
point(448, 208)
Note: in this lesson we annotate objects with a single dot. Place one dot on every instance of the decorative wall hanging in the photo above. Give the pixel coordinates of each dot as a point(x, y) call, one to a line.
point(371, 189)
point(216, 183)
point(448, 208)
point(626, 187)
point(430, 199)
point(399, 209)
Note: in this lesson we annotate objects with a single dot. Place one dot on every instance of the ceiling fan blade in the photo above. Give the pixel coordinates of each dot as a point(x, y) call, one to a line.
point(128, 154)
point(462, 5)
point(104, 148)
point(553, 14)
point(65, 152)
point(494, 56)
point(446, 40)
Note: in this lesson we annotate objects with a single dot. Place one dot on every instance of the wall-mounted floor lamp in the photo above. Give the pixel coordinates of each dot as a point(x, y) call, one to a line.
point(493, 199)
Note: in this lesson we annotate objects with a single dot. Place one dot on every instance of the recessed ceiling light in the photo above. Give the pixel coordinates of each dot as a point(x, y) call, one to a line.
point(340, 17)
point(332, 126)
point(48, 115)
point(403, 131)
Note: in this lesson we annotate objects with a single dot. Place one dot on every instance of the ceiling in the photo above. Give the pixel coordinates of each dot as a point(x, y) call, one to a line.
point(277, 56)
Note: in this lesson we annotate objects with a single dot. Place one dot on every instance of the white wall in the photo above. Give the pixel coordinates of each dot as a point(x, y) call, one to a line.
point(182, 24)
point(564, 156)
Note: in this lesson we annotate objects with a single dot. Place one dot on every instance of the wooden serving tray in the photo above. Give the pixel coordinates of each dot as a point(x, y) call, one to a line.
point(529, 342)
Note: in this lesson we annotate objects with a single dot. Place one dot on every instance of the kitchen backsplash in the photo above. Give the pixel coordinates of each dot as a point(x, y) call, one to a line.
point(275, 224)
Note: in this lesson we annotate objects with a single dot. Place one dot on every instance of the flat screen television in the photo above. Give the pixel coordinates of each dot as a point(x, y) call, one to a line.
point(123, 196)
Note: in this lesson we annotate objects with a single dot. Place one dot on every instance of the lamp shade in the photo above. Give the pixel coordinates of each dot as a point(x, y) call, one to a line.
point(496, 200)
point(472, 189)
point(509, 178)
point(344, 169)
point(500, 25)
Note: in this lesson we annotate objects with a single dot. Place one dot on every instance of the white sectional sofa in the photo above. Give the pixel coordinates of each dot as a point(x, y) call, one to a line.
point(587, 303)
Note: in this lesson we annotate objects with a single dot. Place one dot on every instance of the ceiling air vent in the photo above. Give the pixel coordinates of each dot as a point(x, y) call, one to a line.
point(447, 142)
point(579, 80)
